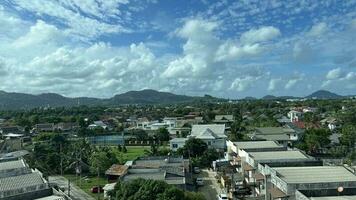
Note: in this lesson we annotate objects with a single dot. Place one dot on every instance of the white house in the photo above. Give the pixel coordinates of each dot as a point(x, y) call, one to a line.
point(294, 115)
point(212, 134)
point(177, 143)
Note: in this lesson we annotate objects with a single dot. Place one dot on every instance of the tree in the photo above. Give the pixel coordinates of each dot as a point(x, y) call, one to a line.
point(99, 160)
point(316, 139)
point(150, 189)
point(162, 134)
point(348, 136)
point(193, 147)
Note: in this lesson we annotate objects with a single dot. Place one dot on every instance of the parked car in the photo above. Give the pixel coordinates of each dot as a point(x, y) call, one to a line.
point(97, 189)
point(222, 197)
point(200, 181)
point(243, 191)
point(196, 170)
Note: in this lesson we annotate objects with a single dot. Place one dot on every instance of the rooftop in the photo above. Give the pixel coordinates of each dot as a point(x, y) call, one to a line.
point(319, 174)
point(353, 197)
point(274, 130)
point(278, 155)
point(257, 144)
point(117, 170)
point(21, 181)
point(218, 129)
point(179, 139)
point(12, 165)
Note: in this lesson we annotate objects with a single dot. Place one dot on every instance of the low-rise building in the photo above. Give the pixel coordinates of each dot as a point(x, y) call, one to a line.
point(212, 134)
point(287, 180)
point(45, 127)
point(280, 134)
point(177, 143)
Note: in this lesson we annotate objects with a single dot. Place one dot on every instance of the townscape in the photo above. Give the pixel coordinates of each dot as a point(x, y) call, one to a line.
point(177, 99)
point(245, 149)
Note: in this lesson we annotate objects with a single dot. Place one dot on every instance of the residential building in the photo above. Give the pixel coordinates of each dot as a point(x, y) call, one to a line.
point(315, 179)
point(294, 115)
point(173, 170)
point(18, 181)
point(10, 129)
point(224, 119)
point(66, 126)
point(45, 127)
point(280, 134)
point(254, 166)
point(179, 132)
point(332, 194)
point(177, 143)
point(98, 124)
point(212, 134)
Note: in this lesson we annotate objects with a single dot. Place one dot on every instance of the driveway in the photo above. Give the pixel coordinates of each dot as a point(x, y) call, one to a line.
point(211, 187)
point(75, 192)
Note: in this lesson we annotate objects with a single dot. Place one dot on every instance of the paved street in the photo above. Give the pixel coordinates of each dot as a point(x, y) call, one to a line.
point(211, 187)
point(75, 192)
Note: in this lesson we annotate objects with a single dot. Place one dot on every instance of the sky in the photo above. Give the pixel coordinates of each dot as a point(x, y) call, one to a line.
point(230, 49)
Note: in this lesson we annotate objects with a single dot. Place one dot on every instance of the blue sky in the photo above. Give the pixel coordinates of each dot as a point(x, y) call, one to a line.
point(226, 48)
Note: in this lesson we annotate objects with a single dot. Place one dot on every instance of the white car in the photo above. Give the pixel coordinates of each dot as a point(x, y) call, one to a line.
point(222, 197)
point(200, 181)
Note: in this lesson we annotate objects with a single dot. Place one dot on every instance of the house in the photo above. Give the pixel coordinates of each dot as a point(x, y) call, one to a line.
point(330, 122)
point(10, 129)
point(18, 181)
point(294, 115)
point(173, 170)
point(45, 127)
point(66, 126)
point(179, 132)
point(285, 181)
point(224, 119)
point(212, 134)
point(177, 143)
point(98, 124)
point(116, 171)
point(280, 134)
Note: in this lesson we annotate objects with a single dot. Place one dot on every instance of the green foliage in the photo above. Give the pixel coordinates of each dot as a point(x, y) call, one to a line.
point(315, 139)
point(162, 134)
point(150, 190)
point(348, 135)
point(101, 160)
point(193, 147)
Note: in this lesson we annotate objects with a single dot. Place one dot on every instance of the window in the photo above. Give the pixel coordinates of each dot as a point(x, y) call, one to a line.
point(209, 143)
point(175, 145)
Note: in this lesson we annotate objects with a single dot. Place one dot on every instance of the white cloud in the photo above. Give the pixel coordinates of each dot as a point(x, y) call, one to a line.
point(242, 84)
point(260, 35)
point(40, 33)
point(291, 83)
point(273, 84)
point(334, 74)
point(318, 29)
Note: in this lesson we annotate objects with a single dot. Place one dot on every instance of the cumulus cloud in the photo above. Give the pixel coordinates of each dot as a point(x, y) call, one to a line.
point(260, 35)
point(241, 84)
point(334, 74)
point(273, 84)
point(292, 82)
point(318, 29)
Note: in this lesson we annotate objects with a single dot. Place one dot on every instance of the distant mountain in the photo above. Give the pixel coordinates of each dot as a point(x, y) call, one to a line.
point(11, 100)
point(149, 97)
point(324, 94)
point(271, 97)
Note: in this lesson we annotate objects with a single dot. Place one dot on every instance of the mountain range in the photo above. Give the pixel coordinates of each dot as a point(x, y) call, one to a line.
point(11, 100)
point(320, 94)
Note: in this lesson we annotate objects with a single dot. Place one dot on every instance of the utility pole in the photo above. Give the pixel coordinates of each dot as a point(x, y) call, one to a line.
point(68, 187)
point(60, 153)
point(98, 184)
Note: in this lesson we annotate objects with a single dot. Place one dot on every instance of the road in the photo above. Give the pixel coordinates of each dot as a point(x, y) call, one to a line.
point(211, 187)
point(75, 192)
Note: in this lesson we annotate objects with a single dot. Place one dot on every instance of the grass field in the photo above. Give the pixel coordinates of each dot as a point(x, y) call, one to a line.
point(132, 152)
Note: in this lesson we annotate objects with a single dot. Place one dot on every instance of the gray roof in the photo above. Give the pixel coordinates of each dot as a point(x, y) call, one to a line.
point(273, 130)
point(178, 139)
point(52, 197)
point(12, 165)
point(353, 197)
point(277, 137)
point(209, 130)
point(278, 155)
point(149, 175)
point(21, 181)
point(257, 144)
point(319, 174)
